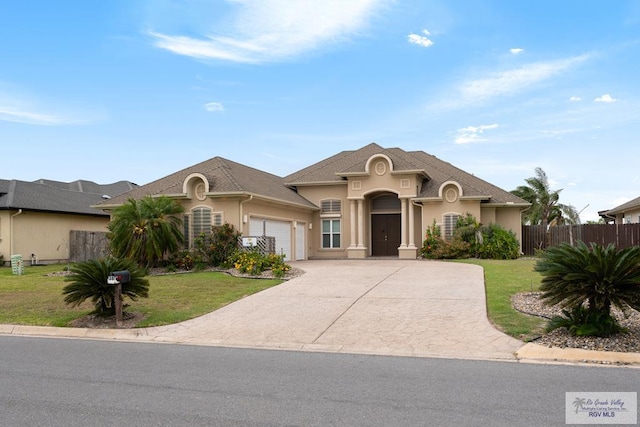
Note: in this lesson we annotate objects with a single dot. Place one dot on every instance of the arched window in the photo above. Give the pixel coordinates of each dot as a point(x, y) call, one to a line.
point(198, 221)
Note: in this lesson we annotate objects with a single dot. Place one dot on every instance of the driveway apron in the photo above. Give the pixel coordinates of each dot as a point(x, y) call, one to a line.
point(390, 307)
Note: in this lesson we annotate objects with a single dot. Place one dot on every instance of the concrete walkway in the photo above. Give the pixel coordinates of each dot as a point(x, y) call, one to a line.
point(385, 307)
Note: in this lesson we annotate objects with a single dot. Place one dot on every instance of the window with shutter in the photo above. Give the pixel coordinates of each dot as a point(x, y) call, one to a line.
point(330, 207)
point(450, 221)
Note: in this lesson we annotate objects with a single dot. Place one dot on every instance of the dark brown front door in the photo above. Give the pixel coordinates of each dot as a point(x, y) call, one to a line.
point(385, 234)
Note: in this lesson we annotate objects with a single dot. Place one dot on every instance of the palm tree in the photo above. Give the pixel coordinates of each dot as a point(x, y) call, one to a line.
point(596, 276)
point(146, 229)
point(89, 282)
point(545, 208)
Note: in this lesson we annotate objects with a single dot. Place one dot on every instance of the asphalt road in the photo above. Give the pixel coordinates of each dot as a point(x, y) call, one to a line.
point(62, 382)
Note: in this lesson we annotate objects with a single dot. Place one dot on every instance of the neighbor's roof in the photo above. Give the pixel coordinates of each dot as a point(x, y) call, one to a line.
point(630, 205)
point(435, 172)
point(75, 197)
point(224, 176)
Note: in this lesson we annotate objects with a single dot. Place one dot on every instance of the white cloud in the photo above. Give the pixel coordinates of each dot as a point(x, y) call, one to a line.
point(20, 106)
point(575, 99)
point(472, 134)
point(273, 30)
point(420, 40)
point(213, 107)
point(513, 81)
point(28, 117)
point(606, 98)
point(516, 50)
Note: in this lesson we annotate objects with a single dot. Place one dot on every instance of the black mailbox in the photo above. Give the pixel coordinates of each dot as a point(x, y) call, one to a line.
point(119, 277)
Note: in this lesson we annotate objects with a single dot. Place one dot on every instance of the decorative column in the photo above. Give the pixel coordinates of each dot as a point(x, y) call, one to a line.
point(357, 249)
point(403, 223)
point(353, 224)
point(412, 233)
point(360, 223)
point(407, 221)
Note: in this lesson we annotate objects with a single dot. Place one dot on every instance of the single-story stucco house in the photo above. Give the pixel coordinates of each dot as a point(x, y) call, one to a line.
point(373, 201)
point(36, 218)
point(626, 213)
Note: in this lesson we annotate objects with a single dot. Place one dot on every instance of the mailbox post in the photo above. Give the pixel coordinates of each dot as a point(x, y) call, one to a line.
point(117, 278)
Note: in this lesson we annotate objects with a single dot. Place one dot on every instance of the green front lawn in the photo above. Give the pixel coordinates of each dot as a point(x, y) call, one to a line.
point(36, 299)
point(502, 280)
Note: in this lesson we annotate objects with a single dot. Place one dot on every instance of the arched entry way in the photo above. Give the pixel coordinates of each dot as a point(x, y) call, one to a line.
point(386, 228)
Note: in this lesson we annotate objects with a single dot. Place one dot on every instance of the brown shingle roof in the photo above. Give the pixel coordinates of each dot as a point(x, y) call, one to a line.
point(224, 176)
point(436, 172)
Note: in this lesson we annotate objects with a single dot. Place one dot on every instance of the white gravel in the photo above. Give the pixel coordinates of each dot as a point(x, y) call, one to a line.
point(530, 303)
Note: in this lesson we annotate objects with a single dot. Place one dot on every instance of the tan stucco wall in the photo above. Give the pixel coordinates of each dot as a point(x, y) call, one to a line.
point(511, 219)
point(4, 235)
point(239, 210)
point(316, 195)
point(43, 234)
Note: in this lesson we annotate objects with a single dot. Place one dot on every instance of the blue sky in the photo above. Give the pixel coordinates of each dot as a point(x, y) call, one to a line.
point(119, 89)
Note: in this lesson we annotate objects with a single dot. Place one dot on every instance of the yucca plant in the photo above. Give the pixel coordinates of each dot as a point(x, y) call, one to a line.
point(88, 281)
point(593, 277)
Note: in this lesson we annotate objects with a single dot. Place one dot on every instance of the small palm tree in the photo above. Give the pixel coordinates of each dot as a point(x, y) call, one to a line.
point(89, 282)
point(146, 229)
point(596, 276)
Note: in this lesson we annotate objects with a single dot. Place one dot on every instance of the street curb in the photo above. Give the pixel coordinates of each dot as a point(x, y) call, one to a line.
point(529, 352)
point(537, 352)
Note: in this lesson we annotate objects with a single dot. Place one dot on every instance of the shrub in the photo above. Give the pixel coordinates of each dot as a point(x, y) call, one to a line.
point(217, 247)
point(89, 282)
point(184, 260)
point(582, 322)
point(498, 243)
point(433, 242)
point(470, 238)
point(277, 265)
point(593, 277)
point(253, 262)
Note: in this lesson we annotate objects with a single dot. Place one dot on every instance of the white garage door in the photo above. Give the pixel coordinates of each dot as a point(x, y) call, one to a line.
point(281, 230)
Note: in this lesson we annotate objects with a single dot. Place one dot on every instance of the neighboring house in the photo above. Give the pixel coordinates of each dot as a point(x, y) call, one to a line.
point(626, 213)
point(369, 202)
point(36, 218)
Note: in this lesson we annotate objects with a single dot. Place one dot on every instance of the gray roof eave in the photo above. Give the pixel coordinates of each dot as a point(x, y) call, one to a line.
point(314, 183)
point(310, 206)
point(507, 205)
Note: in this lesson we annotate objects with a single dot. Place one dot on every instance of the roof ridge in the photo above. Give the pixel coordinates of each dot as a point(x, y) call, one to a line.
point(226, 170)
point(11, 193)
point(341, 156)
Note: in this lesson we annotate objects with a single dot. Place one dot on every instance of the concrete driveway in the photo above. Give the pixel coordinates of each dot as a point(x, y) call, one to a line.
point(390, 307)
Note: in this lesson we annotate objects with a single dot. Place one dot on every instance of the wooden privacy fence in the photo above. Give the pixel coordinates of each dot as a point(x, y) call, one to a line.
point(534, 237)
point(86, 245)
